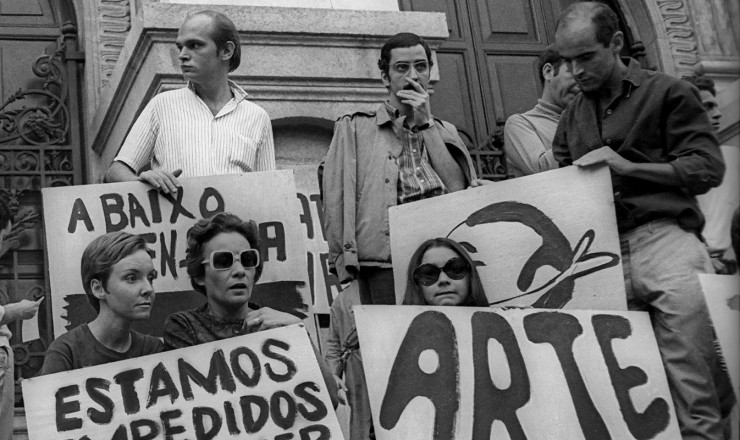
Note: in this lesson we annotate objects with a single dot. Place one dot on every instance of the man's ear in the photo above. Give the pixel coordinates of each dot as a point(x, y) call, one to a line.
point(385, 79)
point(548, 72)
point(97, 288)
point(228, 51)
point(617, 42)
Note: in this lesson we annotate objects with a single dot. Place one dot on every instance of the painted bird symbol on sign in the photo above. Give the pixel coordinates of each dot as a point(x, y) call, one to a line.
point(569, 262)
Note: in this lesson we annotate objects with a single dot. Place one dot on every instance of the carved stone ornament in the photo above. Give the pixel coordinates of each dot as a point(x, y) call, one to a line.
point(681, 36)
point(114, 23)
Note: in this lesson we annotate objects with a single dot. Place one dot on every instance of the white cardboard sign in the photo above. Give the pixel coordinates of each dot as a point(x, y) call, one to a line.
point(263, 385)
point(548, 240)
point(448, 373)
point(74, 216)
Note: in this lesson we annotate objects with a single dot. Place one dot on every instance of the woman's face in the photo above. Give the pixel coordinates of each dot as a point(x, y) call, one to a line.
point(228, 290)
point(446, 291)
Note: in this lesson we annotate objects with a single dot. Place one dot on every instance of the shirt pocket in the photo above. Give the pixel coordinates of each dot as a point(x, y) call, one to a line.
point(243, 152)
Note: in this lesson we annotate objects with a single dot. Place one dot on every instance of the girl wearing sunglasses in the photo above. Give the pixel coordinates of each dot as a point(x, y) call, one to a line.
point(441, 273)
point(223, 262)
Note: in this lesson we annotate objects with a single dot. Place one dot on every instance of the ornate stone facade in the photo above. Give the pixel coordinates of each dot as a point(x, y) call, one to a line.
point(114, 23)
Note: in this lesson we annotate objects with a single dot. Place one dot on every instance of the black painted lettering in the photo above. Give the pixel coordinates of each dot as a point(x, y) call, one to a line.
point(218, 371)
point(168, 256)
point(560, 330)
point(248, 403)
point(290, 368)
point(231, 418)
point(119, 434)
point(316, 199)
point(94, 386)
point(177, 208)
point(330, 281)
point(138, 426)
point(153, 195)
point(305, 216)
point(322, 432)
point(282, 419)
point(272, 235)
point(211, 193)
point(161, 384)
point(655, 418)
point(167, 417)
point(113, 206)
point(236, 366)
point(126, 380)
point(428, 331)
point(200, 413)
point(492, 403)
point(284, 436)
point(311, 276)
point(135, 210)
point(65, 408)
point(79, 213)
point(306, 392)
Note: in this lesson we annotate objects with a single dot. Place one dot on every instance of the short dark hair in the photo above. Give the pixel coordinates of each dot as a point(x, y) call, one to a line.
point(414, 295)
point(224, 31)
point(552, 57)
point(603, 18)
point(702, 83)
point(404, 39)
point(102, 254)
point(204, 231)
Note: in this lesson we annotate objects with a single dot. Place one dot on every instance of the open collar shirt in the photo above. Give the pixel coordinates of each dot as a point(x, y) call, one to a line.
point(176, 130)
point(656, 119)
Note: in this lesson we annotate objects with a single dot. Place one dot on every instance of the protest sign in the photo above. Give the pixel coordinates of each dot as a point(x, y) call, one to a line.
point(722, 293)
point(548, 240)
point(448, 373)
point(74, 216)
point(324, 286)
point(263, 385)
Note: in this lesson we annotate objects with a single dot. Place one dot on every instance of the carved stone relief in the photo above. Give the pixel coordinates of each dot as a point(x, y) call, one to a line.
point(114, 23)
point(681, 36)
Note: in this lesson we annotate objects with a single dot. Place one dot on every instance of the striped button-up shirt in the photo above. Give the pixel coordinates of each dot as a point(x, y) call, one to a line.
point(176, 130)
point(416, 178)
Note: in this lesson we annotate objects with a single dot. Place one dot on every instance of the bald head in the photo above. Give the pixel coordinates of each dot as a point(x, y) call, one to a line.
point(222, 31)
point(583, 15)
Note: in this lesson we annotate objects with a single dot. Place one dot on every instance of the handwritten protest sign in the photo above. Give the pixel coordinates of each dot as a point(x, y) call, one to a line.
point(459, 373)
point(548, 240)
point(264, 385)
point(324, 286)
point(722, 293)
point(76, 215)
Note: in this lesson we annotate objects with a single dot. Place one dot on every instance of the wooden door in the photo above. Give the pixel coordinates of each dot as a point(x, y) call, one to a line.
point(488, 67)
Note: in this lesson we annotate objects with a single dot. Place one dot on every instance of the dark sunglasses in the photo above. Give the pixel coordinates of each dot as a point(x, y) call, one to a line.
point(222, 260)
point(428, 274)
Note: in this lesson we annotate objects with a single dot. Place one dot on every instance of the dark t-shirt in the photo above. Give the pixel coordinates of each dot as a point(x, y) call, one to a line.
point(78, 348)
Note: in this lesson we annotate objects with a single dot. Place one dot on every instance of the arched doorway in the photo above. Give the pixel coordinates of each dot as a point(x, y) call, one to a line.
point(40, 146)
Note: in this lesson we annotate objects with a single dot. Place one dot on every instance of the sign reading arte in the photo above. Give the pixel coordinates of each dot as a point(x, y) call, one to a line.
point(76, 215)
point(473, 373)
point(263, 385)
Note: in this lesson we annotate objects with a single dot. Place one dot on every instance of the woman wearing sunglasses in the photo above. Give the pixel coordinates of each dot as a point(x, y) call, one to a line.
point(441, 273)
point(223, 262)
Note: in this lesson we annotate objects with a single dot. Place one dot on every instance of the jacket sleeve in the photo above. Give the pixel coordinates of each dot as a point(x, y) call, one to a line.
point(334, 341)
point(458, 150)
point(692, 144)
point(339, 190)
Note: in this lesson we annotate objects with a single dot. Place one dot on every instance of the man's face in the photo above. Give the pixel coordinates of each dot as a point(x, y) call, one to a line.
point(200, 59)
point(711, 106)
point(590, 62)
point(402, 57)
point(564, 87)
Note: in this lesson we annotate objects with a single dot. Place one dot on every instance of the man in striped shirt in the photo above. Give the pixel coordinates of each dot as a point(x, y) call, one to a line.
point(206, 128)
point(396, 154)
